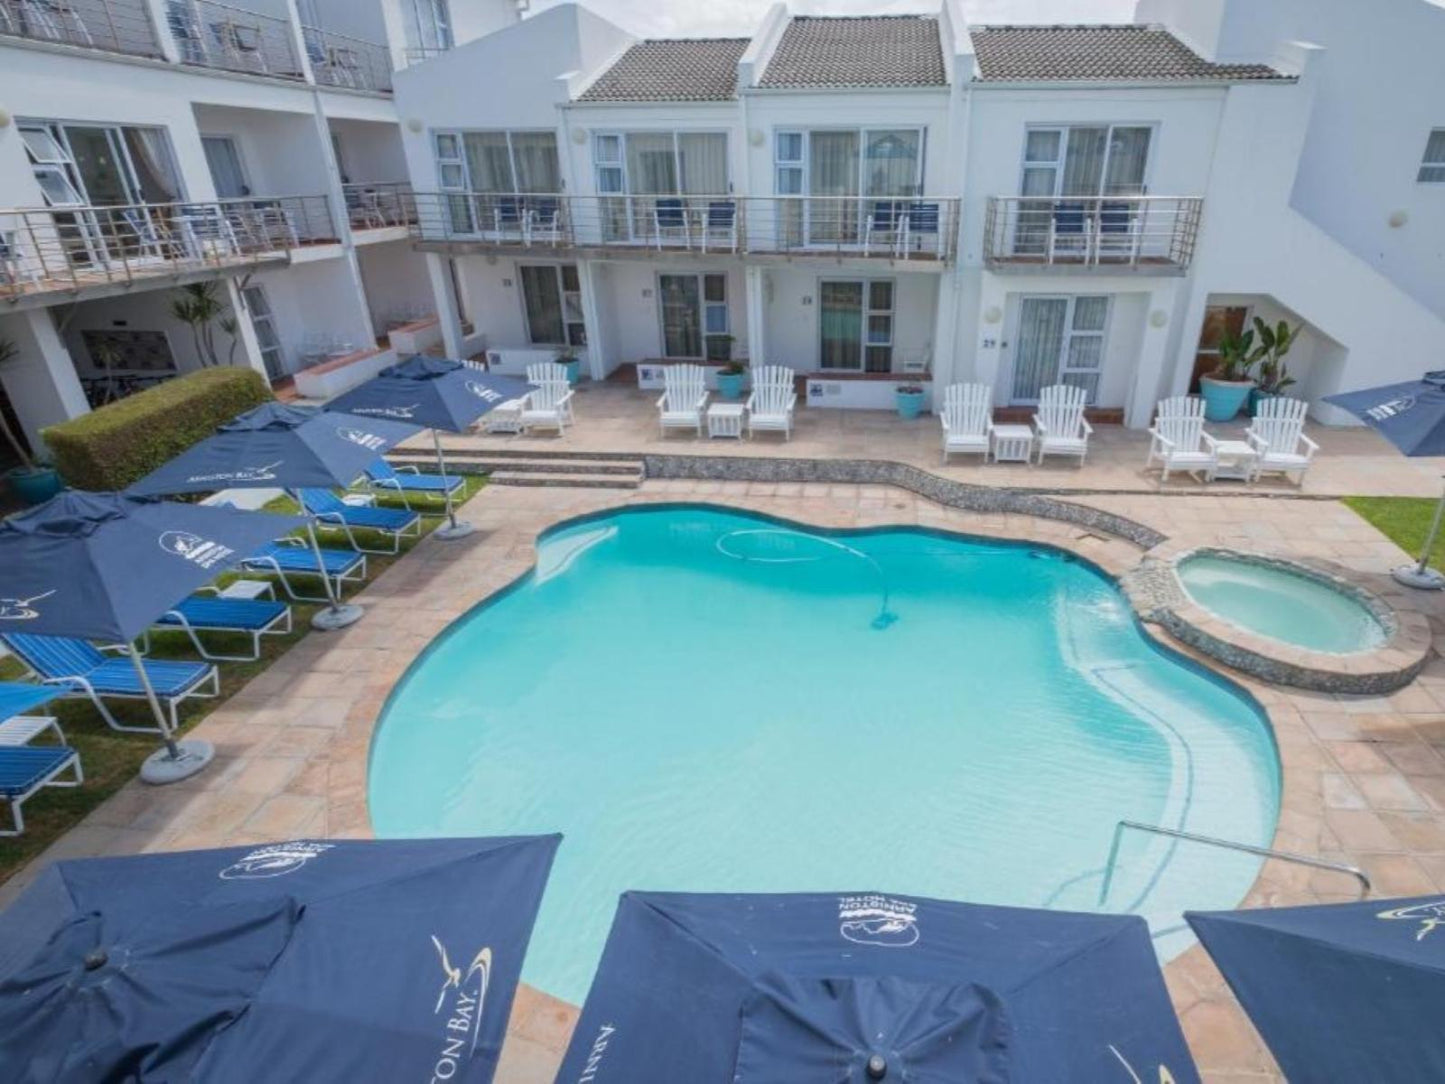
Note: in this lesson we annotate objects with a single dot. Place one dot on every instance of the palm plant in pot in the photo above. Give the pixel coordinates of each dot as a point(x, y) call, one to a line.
point(1228, 386)
point(731, 378)
point(33, 482)
point(1274, 343)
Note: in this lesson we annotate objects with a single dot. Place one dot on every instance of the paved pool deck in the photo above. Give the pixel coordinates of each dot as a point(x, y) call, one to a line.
point(1364, 778)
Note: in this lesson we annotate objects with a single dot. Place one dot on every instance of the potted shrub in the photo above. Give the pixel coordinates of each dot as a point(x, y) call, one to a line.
point(1274, 343)
point(1226, 389)
point(908, 398)
point(719, 347)
point(730, 380)
point(32, 481)
point(567, 358)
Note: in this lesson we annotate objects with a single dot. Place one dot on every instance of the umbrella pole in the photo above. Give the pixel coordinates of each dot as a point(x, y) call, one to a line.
point(1420, 575)
point(178, 760)
point(336, 615)
point(453, 530)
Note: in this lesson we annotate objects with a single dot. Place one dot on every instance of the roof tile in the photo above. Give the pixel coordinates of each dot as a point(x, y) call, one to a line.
point(867, 51)
point(1132, 52)
point(672, 70)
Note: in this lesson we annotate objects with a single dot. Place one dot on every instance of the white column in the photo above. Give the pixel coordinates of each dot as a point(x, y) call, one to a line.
point(598, 352)
point(249, 349)
point(446, 304)
point(298, 41)
point(360, 329)
point(989, 366)
point(944, 361)
point(757, 297)
point(1189, 332)
point(1159, 316)
point(40, 381)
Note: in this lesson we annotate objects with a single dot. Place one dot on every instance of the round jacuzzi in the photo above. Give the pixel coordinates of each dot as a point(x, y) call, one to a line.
point(1283, 602)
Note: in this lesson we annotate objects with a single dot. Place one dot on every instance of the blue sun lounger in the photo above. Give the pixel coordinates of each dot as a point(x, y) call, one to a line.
point(407, 482)
point(25, 768)
point(256, 617)
point(331, 511)
point(288, 557)
point(85, 671)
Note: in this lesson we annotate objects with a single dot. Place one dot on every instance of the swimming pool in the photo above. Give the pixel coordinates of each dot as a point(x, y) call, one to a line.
point(709, 701)
point(1292, 607)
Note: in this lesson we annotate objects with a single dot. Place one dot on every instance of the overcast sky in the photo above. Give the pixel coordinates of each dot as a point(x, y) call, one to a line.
point(703, 18)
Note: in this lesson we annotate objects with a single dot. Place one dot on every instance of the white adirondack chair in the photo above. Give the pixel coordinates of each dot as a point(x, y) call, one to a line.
point(1278, 438)
point(967, 418)
point(770, 406)
point(683, 399)
point(549, 404)
point(1179, 440)
point(1059, 425)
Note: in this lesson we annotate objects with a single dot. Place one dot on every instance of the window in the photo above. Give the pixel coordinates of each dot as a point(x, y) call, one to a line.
point(1086, 161)
point(693, 308)
point(492, 164)
point(263, 322)
point(636, 167)
point(105, 165)
point(856, 325)
point(1060, 340)
point(552, 304)
point(1432, 166)
point(847, 171)
point(428, 26)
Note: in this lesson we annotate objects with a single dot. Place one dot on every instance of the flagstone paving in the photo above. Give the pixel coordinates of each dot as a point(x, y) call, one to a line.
point(1364, 778)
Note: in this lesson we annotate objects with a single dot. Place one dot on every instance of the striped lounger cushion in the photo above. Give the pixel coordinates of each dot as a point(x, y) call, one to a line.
point(22, 768)
point(246, 615)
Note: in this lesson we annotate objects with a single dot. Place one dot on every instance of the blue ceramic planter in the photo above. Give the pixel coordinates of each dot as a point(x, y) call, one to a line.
point(1223, 398)
point(909, 403)
point(730, 385)
point(574, 370)
point(34, 486)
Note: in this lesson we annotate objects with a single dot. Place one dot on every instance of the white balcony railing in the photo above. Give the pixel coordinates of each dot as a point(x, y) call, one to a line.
point(339, 60)
point(216, 35)
point(379, 206)
point(71, 249)
point(117, 26)
point(911, 228)
point(1141, 233)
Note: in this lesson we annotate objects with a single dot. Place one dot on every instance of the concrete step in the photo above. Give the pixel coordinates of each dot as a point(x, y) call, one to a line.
point(579, 481)
point(563, 453)
point(530, 465)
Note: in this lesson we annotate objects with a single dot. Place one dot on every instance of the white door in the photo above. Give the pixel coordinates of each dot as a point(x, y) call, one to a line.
point(227, 173)
point(1060, 340)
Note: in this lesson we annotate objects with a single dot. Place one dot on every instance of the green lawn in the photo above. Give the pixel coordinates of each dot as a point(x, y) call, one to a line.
point(1405, 521)
point(110, 758)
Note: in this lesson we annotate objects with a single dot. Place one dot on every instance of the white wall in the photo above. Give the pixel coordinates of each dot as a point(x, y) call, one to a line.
point(793, 315)
point(371, 153)
point(146, 311)
point(630, 293)
point(280, 152)
point(314, 297)
point(396, 281)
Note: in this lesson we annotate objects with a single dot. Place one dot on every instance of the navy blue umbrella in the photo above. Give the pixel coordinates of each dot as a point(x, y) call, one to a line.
point(435, 392)
point(280, 446)
point(105, 566)
point(853, 989)
point(320, 961)
point(1348, 992)
point(1411, 416)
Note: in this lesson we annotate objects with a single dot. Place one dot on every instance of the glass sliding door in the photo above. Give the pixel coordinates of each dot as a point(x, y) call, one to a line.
point(638, 172)
point(1083, 357)
point(681, 303)
point(840, 315)
point(833, 181)
point(1060, 340)
point(224, 160)
point(263, 322)
point(552, 300)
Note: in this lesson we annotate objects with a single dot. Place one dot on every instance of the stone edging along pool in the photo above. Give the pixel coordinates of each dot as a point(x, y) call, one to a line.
point(1159, 598)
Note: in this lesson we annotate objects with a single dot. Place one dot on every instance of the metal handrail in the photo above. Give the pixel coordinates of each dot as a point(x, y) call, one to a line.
point(342, 60)
point(115, 26)
point(1130, 231)
point(1228, 844)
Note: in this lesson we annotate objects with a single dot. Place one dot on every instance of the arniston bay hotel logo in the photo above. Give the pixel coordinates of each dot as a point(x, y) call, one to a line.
point(460, 1003)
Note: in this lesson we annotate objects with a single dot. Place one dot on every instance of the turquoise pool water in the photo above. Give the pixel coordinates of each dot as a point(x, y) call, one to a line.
point(707, 701)
point(1280, 604)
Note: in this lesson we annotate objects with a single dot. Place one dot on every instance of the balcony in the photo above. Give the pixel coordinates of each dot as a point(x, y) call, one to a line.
point(215, 35)
point(338, 60)
point(1128, 234)
point(115, 26)
point(914, 230)
point(380, 206)
point(98, 250)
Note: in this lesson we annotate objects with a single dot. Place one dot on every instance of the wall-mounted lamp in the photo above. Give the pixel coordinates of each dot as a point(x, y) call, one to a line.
point(1158, 318)
point(415, 124)
point(4, 118)
point(1398, 219)
point(579, 136)
point(756, 138)
point(992, 315)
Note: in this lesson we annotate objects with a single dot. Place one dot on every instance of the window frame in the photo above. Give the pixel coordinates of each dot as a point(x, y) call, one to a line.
point(1433, 166)
point(867, 312)
point(1060, 160)
point(574, 332)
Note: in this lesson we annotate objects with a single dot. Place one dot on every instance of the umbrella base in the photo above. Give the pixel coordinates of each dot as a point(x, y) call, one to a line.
point(161, 768)
point(332, 618)
point(1411, 576)
point(450, 532)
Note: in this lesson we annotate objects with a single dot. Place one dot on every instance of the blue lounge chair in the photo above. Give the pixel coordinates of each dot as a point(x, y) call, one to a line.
point(671, 215)
point(922, 222)
point(85, 671)
point(331, 511)
point(407, 482)
point(885, 224)
point(25, 769)
point(1070, 230)
point(288, 557)
point(256, 617)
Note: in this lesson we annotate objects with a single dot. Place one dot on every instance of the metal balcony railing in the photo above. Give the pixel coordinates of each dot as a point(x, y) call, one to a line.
point(378, 206)
point(236, 39)
point(75, 248)
point(338, 60)
point(117, 26)
point(1141, 233)
point(417, 54)
point(912, 228)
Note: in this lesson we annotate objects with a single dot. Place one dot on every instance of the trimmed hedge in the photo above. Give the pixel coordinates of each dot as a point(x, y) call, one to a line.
point(121, 442)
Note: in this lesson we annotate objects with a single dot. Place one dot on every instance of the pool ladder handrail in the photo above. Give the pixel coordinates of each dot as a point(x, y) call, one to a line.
point(1228, 844)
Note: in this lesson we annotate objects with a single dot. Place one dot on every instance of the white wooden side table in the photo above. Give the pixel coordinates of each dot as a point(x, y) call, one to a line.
point(1012, 443)
point(1236, 461)
point(725, 420)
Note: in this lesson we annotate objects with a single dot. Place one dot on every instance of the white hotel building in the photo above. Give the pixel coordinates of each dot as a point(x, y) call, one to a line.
point(865, 200)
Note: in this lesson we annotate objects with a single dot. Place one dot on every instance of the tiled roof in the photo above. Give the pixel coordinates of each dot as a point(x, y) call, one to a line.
point(1098, 53)
point(672, 70)
point(870, 51)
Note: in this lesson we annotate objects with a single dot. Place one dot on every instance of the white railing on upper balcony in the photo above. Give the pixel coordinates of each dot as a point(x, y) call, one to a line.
point(380, 205)
point(909, 228)
point(73, 248)
point(219, 35)
point(117, 26)
point(339, 60)
point(1142, 233)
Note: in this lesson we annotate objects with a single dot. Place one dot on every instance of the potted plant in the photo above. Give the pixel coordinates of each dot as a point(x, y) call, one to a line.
point(567, 358)
point(908, 398)
point(719, 347)
point(731, 378)
point(1226, 389)
point(32, 481)
point(1274, 343)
